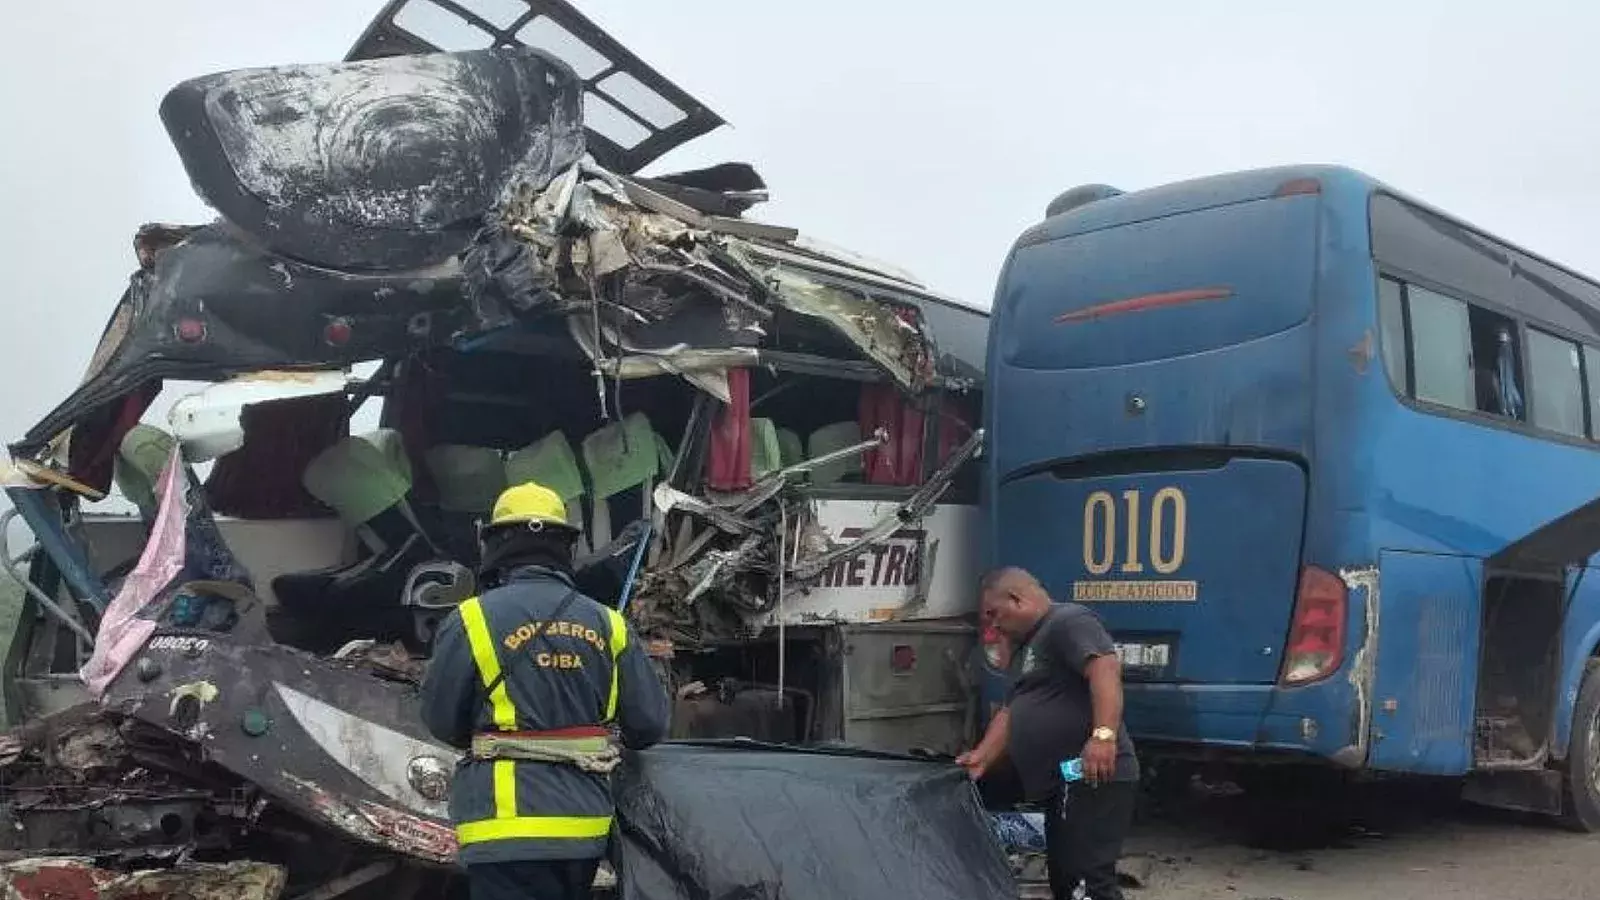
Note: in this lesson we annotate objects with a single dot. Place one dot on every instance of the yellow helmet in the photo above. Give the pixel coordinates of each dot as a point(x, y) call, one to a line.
point(527, 504)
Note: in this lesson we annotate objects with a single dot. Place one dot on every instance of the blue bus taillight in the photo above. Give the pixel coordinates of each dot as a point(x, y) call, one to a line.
point(1316, 632)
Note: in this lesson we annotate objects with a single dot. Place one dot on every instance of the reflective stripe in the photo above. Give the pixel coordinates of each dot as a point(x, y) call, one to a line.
point(619, 643)
point(505, 789)
point(483, 653)
point(533, 827)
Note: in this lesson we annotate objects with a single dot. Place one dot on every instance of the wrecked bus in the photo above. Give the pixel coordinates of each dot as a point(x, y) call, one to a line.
point(1330, 422)
point(770, 445)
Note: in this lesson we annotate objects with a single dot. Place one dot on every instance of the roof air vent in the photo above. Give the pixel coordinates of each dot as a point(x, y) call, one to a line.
point(1082, 195)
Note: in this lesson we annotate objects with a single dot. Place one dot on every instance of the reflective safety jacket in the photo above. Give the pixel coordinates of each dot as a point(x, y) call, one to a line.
point(514, 661)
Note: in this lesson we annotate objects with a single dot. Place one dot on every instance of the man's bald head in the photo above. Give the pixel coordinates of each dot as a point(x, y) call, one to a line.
point(1012, 600)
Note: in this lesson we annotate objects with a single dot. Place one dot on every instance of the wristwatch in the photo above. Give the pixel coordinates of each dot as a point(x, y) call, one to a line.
point(1103, 734)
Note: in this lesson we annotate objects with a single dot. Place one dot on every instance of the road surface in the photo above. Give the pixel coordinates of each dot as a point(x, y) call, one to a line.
point(1394, 843)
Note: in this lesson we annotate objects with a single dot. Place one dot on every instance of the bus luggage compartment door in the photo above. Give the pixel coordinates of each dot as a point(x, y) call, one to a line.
point(1422, 699)
point(1192, 569)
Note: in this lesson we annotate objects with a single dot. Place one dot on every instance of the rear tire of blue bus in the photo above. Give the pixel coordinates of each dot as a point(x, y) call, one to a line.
point(1581, 803)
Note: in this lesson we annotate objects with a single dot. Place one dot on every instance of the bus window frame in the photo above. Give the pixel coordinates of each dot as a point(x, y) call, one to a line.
point(1405, 393)
point(1385, 268)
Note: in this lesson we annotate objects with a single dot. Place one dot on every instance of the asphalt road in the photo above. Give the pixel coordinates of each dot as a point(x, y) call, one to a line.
point(1392, 842)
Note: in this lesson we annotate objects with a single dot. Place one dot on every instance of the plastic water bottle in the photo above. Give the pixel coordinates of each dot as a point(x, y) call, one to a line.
point(1071, 771)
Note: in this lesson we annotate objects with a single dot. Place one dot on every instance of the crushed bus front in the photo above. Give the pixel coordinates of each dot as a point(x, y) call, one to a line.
point(767, 445)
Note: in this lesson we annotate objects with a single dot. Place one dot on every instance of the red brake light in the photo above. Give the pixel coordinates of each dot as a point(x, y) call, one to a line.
point(1316, 631)
point(1295, 187)
point(190, 331)
point(903, 658)
point(337, 333)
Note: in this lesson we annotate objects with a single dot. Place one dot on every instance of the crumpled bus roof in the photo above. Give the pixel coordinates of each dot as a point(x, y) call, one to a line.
point(376, 208)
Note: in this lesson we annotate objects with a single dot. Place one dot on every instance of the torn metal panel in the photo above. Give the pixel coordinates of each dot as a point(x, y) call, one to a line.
point(912, 509)
point(645, 275)
point(79, 878)
point(218, 305)
point(1363, 665)
point(340, 747)
point(386, 760)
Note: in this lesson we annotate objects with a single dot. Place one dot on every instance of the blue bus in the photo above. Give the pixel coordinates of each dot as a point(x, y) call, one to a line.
point(1319, 454)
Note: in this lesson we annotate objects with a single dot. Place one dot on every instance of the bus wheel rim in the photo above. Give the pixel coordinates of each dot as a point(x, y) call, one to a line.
point(1594, 752)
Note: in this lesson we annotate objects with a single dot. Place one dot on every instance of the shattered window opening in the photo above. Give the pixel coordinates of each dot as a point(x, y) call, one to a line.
point(502, 14)
point(606, 118)
point(441, 27)
point(636, 96)
point(544, 33)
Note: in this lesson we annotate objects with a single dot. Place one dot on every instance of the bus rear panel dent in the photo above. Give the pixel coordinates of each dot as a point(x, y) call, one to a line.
point(1362, 580)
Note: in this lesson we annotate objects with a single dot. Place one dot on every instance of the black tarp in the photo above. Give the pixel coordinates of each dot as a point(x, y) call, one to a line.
point(739, 821)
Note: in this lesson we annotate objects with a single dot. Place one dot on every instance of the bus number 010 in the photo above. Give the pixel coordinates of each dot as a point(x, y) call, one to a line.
point(1100, 531)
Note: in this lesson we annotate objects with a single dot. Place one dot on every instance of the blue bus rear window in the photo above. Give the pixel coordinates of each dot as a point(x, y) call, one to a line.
point(1157, 289)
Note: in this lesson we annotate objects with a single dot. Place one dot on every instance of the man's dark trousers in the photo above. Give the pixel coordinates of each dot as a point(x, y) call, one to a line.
point(1084, 844)
point(567, 879)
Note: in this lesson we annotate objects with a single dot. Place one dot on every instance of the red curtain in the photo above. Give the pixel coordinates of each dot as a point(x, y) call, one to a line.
point(261, 480)
point(92, 449)
point(897, 463)
point(728, 462)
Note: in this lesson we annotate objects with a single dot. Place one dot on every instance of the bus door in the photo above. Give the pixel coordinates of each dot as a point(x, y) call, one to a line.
point(1526, 596)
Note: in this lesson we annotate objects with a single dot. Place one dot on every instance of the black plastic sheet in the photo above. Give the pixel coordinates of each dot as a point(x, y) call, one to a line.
point(736, 821)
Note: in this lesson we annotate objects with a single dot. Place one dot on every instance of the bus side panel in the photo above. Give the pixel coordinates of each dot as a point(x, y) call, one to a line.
point(1422, 697)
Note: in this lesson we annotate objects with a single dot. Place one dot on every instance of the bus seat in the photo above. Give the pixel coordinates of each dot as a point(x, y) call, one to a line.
point(791, 449)
point(550, 462)
point(467, 479)
point(620, 457)
point(141, 456)
point(828, 439)
point(766, 454)
point(365, 480)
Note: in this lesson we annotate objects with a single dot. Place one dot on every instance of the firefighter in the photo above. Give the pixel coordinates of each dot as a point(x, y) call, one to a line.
point(536, 682)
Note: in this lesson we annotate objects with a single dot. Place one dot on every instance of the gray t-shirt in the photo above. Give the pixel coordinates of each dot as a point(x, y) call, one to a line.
point(1051, 709)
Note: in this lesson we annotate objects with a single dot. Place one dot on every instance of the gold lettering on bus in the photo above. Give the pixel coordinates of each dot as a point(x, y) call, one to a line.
point(1135, 591)
point(1101, 532)
point(1099, 542)
point(1161, 560)
point(1131, 564)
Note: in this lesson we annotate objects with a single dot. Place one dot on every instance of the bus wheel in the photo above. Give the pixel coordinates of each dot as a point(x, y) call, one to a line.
point(1581, 805)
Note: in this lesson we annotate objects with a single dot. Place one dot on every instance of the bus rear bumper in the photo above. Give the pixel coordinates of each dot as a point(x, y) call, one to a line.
point(1322, 721)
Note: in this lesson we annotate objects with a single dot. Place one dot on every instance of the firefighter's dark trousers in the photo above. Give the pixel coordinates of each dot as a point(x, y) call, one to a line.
point(568, 879)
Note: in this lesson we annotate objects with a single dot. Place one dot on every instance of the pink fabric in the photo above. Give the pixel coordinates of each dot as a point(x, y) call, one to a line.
point(122, 634)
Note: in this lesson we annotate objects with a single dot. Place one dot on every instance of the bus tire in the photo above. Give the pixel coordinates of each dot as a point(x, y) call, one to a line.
point(1581, 803)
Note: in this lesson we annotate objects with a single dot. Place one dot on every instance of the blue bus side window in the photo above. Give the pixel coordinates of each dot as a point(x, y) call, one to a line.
point(1441, 346)
point(1392, 332)
point(1555, 371)
point(1459, 356)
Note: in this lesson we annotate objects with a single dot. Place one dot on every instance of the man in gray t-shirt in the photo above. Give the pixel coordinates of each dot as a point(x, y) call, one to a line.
point(1065, 702)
